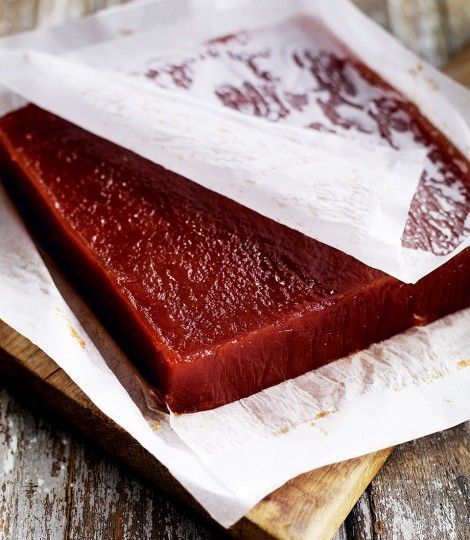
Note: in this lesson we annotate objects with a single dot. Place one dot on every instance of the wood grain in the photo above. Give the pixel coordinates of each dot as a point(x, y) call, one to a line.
point(323, 497)
point(16, 15)
point(43, 461)
point(435, 29)
point(436, 508)
point(54, 487)
point(293, 511)
point(457, 21)
point(312, 505)
point(33, 475)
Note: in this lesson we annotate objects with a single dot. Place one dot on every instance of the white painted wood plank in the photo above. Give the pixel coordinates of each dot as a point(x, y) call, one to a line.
point(54, 12)
point(419, 25)
point(51, 486)
point(33, 475)
point(54, 486)
point(432, 28)
point(16, 15)
point(422, 492)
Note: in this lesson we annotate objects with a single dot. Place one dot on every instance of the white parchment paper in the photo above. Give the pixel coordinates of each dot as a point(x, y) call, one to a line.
point(350, 194)
point(229, 458)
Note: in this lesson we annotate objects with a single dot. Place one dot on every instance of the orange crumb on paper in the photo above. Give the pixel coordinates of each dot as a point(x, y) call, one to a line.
point(463, 363)
point(416, 70)
point(73, 331)
point(126, 31)
point(76, 336)
point(155, 425)
point(432, 84)
point(318, 416)
point(324, 413)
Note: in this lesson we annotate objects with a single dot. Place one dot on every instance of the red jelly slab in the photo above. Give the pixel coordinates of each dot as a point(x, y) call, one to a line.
point(212, 301)
point(300, 73)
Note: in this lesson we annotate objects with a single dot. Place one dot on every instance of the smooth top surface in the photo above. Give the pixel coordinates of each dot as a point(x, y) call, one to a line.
point(201, 268)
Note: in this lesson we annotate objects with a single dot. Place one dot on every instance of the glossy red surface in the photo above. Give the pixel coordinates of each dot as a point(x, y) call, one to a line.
point(300, 73)
point(211, 300)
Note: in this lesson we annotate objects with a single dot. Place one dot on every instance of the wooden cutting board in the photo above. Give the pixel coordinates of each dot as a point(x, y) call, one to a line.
point(312, 506)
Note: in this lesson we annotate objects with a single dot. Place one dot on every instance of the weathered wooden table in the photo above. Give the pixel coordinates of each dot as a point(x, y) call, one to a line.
point(55, 485)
